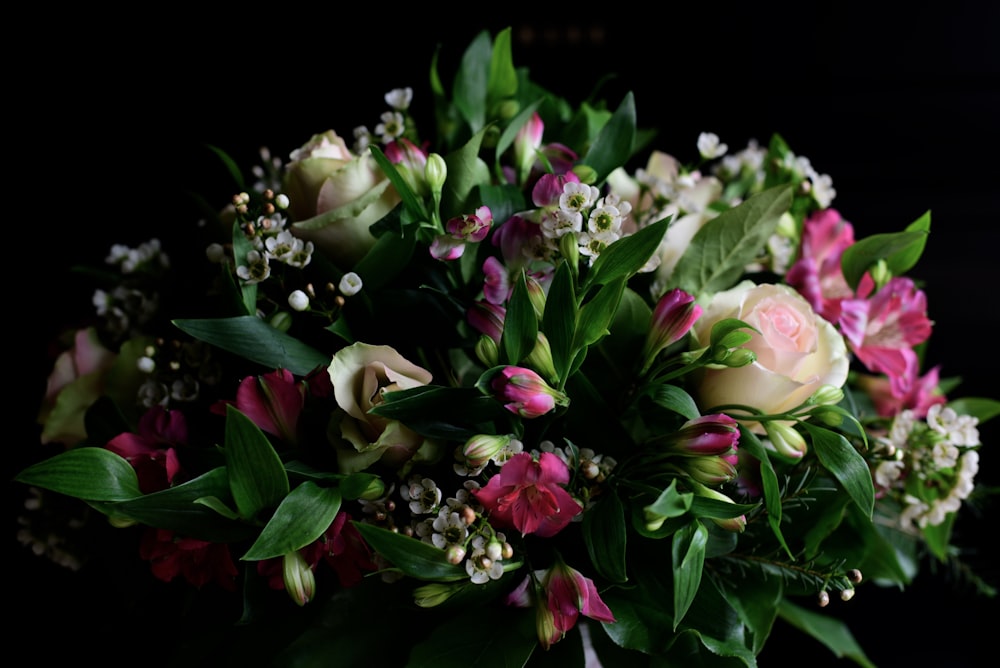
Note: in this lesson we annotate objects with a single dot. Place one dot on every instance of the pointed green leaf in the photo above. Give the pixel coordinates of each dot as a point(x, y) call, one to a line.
point(502, 80)
point(88, 473)
point(614, 144)
point(688, 550)
point(472, 81)
point(839, 457)
point(411, 556)
point(597, 314)
point(625, 257)
point(831, 632)
point(674, 398)
point(300, 519)
point(671, 503)
point(860, 256)
point(980, 408)
point(251, 338)
point(257, 478)
point(414, 205)
point(559, 319)
point(248, 291)
point(605, 537)
point(520, 327)
point(187, 509)
point(724, 246)
point(466, 171)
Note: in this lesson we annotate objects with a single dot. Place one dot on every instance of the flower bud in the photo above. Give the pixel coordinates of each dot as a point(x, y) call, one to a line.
point(585, 173)
point(487, 351)
point(708, 470)
point(300, 582)
point(536, 294)
point(298, 300)
point(786, 441)
point(435, 593)
point(827, 395)
point(281, 321)
point(540, 358)
point(672, 318)
point(483, 447)
point(708, 435)
point(739, 357)
point(455, 554)
point(374, 490)
point(734, 524)
point(525, 392)
point(435, 171)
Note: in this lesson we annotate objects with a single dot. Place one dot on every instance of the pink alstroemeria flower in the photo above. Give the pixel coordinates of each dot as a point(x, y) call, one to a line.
point(151, 451)
point(922, 395)
point(459, 231)
point(817, 274)
point(273, 402)
point(528, 495)
point(487, 318)
point(559, 595)
point(883, 329)
point(198, 561)
point(525, 392)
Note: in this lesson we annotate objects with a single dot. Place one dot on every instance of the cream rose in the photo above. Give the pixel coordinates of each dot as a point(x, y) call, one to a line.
point(335, 197)
point(360, 374)
point(797, 351)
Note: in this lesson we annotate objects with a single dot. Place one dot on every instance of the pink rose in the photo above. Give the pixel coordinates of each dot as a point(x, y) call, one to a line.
point(797, 351)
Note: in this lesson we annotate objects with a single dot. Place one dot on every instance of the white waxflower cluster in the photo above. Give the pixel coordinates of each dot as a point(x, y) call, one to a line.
point(272, 242)
point(933, 465)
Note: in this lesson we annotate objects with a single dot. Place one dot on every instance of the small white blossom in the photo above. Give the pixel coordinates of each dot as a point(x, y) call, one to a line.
point(350, 284)
point(450, 530)
point(709, 146)
point(480, 567)
point(256, 268)
point(298, 300)
point(399, 98)
point(391, 127)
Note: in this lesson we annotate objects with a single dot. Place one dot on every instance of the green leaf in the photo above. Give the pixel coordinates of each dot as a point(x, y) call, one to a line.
point(445, 412)
point(472, 81)
point(605, 536)
point(409, 199)
point(900, 247)
point(673, 398)
point(466, 171)
point(257, 478)
point(832, 633)
point(720, 251)
point(248, 291)
point(671, 503)
point(597, 314)
point(383, 262)
point(300, 519)
point(411, 556)
point(253, 339)
point(688, 551)
point(187, 509)
point(88, 473)
point(769, 481)
point(846, 464)
point(625, 257)
point(502, 79)
point(501, 637)
point(559, 319)
point(980, 408)
point(613, 145)
point(520, 327)
point(755, 598)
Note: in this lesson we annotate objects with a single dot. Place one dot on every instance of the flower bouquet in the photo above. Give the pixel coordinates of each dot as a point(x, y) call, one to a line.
point(522, 382)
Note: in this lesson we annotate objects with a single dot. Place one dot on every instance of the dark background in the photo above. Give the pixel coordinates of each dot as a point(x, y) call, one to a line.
point(112, 118)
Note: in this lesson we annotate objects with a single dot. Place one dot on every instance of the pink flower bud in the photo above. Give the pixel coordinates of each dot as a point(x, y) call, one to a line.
point(708, 435)
point(673, 317)
point(525, 392)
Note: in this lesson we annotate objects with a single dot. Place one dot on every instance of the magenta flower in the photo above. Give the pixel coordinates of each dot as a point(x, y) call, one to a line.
point(151, 451)
point(525, 392)
point(273, 402)
point(559, 595)
point(197, 561)
point(882, 330)
point(923, 394)
point(528, 495)
point(487, 318)
point(460, 230)
point(817, 274)
point(549, 188)
point(673, 317)
point(496, 281)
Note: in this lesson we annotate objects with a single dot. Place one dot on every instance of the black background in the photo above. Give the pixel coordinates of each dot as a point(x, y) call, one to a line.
point(112, 114)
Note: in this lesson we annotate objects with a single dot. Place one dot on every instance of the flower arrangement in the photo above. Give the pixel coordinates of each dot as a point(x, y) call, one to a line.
point(617, 410)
